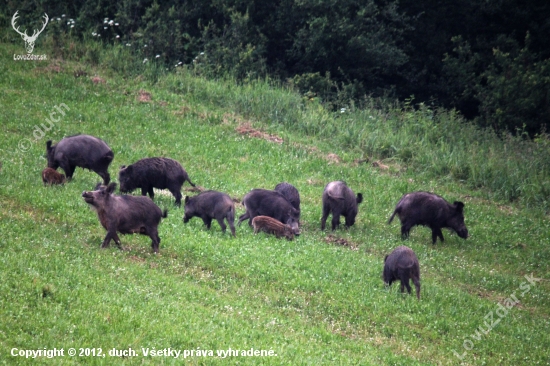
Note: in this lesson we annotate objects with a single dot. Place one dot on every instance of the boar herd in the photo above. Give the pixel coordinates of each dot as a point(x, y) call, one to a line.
point(274, 211)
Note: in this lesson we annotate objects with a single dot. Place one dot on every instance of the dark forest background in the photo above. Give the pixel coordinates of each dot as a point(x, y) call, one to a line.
point(490, 60)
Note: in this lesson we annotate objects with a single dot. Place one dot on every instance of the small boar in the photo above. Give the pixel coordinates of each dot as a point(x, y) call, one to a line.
point(125, 214)
point(272, 226)
point(211, 205)
point(339, 199)
point(428, 209)
point(85, 151)
point(290, 193)
point(51, 176)
point(263, 202)
point(402, 265)
point(149, 173)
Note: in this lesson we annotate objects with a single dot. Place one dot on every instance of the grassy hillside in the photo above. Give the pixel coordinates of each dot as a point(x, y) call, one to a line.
point(317, 300)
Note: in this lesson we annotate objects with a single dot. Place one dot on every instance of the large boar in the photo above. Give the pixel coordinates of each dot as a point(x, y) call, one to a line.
point(149, 173)
point(271, 226)
point(51, 176)
point(211, 205)
point(339, 199)
point(125, 214)
point(402, 265)
point(84, 151)
point(428, 209)
point(263, 202)
point(290, 193)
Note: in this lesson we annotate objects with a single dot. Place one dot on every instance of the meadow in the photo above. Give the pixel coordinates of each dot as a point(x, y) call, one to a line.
point(316, 300)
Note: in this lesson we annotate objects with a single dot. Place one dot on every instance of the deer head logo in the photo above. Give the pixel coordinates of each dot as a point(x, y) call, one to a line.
point(29, 41)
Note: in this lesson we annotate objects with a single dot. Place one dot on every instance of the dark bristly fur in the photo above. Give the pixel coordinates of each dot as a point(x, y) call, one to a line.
point(263, 202)
point(428, 209)
point(51, 176)
point(83, 151)
point(211, 205)
point(339, 199)
point(402, 264)
point(271, 226)
point(149, 173)
point(290, 193)
point(125, 214)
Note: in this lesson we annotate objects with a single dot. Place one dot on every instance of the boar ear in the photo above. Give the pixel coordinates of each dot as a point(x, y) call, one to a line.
point(359, 198)
point(97, 186)
point(459, 206)
point(111, 187)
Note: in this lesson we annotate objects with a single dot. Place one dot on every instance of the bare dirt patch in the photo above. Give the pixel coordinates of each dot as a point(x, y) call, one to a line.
point(247, 130)
point(331, 239)
point(97, 80)
point(144, 96)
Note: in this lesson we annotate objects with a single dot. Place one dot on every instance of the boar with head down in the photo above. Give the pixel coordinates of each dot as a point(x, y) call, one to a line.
point(402, 264)
point(428, 209)
point(83, 151)
point(125, 214)
point(339, 199)
point(211, 205)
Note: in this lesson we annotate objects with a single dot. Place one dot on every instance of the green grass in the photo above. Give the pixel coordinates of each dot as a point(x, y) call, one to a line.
point(310, 300)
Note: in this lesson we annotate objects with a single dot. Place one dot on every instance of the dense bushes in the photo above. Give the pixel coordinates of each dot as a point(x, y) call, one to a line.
point(487, 59)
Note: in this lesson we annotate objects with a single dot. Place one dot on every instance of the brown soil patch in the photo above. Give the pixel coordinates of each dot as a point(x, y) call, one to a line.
point(333, 158)
point(195, 189)
point(144, 96)
point(331, 239)
point(247, 129)
point(97, 80)
point(379, 165)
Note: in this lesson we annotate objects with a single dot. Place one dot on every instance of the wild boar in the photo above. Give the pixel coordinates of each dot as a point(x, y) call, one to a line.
point(51, 176)
point(290, 193)
point(85, 151)
point(428, 209)
point(211, 205)
point(402, 265)
point(125, 214)
point(271, 226)
point(149, 173)
point(339, 199)
point(263, 202)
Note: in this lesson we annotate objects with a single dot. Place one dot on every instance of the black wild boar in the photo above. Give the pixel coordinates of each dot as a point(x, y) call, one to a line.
point(85, 151)
point(125, 214)
point(51, 176)
point(290, 193)
point(339, 199)
point(402, 265)
point(211, 205)
point(149, 173)
point(263, 202)
point(271, 226)
point(428, 209)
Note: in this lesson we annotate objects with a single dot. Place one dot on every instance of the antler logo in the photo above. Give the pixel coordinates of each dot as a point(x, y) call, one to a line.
point(29, 41)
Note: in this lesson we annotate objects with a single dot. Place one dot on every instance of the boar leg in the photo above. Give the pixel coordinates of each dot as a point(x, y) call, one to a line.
point(111, 234)
point(405, 230)
point(151, 192)
point(176, 194)
point(435, 233)
point(243, 217)
point(326, 211)
point(335, 219)
point(105, 175)
point(417, 286)
point(68, 169)
point(207, 221)
point(154, 235)
point(222, 224)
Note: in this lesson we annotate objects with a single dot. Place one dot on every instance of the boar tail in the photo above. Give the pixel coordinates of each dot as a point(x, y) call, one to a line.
point(392, 216)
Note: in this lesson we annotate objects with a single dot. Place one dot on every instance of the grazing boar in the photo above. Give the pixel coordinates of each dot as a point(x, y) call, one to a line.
point(125, 214)
point(51, 176)
point(263, 202)
point(85, 151)
point(339, 199)
point(149, 173)
point(402, 265)
point(428, 209)
point(290, 193)
point(271, 226)
point(211, 205)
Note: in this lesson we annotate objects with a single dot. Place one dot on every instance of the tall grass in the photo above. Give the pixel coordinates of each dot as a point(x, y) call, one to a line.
point(432, 143)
